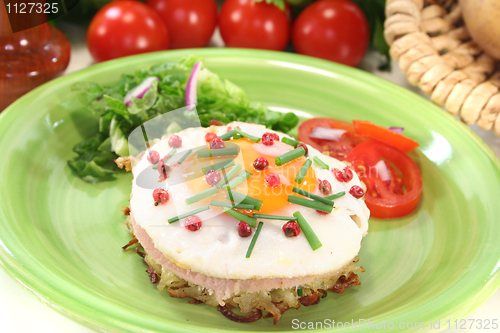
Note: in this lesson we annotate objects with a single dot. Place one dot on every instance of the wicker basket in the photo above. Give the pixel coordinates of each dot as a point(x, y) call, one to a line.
point(434, 49)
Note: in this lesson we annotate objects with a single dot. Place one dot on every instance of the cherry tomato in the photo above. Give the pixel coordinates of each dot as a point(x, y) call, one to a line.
point(335, 30)
point(368, 129)
point(338, 149)
point(123, 28)
point(190, 23)
point(250, 24)
point(387, 199)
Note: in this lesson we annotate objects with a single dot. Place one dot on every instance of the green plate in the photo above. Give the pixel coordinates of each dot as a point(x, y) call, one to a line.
point(62, 238)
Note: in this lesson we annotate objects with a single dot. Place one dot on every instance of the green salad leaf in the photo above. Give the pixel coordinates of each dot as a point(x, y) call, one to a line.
point(278, 3)
point(375, 14)
point(95, 159)
point(218, 100)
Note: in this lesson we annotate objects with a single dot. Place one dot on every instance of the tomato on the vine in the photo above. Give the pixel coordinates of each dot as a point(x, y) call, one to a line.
point(335, 30)
point(123, 28)
point(251, 24)
point(190, 23)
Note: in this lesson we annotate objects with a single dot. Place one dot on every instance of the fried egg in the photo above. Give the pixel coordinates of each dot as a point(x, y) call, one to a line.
point(216, 252)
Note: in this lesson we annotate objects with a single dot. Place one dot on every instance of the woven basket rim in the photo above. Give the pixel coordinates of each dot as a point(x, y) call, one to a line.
point(435, 51)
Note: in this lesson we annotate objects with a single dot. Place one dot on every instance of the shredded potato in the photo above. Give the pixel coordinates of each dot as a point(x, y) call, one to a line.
point(275, 301)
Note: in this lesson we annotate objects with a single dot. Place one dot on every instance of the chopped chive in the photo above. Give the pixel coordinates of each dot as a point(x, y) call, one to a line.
point(231, 205)
point(251, 221)
point(219, 165)
point(184, 157)
point(308, 232)
point(313, 196)
point(246, 135)
point(217, 152)
point(227, 176)
point(193, 212)
point(202, 195)
point(227, 135)
point(335, 196)
point(244, 199)
point(310, 204)
point(290, 156)
point(303, 171)
point(240, 178)
point(274, 217)
point(254, 239)
point(300, 292)
point(171, 153)
point(322, 164)
point(289, 141)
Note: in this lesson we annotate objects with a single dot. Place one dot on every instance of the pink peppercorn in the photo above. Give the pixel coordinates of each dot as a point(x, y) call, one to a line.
point(343, 175)
point(325, 187)
point(273, 180)
point(212, 177)
point(356, 191)
point(192, 223)
point(244, 229)
point(217, 143)
point(163, 168)
point(153, 156)
point(303, 146)
point(160, 196)
point(261, 163)
point(268, 139)
point(291, 229)
point(175, 141)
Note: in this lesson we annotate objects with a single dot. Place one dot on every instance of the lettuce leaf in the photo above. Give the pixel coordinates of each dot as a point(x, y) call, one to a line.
point(118, 141)
point(375, 14)
point(95, 161)
point(218, 99)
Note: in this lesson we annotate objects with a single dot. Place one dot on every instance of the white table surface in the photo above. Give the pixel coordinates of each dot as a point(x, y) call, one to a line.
point(22, 311)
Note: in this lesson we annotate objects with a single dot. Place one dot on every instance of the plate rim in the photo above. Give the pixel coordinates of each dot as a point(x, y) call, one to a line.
point(14, 269)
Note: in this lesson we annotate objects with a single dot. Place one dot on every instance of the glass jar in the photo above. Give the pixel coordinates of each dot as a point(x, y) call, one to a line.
point(29, 58)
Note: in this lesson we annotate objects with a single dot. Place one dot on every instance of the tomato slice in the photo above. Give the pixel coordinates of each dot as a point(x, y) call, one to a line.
point(368, 129)
point(338, 149)
point(386, 200)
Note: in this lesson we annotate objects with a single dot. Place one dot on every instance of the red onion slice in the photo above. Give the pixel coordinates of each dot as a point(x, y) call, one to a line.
point(397, 129)
point(383, 171)
point(277, 149)
point(140, 90)
point(284, 179)
point(326, 133)
point(191, 98)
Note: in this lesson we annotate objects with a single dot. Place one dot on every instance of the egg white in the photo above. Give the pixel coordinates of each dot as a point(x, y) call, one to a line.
point(216, 250)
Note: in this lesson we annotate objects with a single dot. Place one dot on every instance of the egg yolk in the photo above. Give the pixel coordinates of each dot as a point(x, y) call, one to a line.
point(274, 198)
